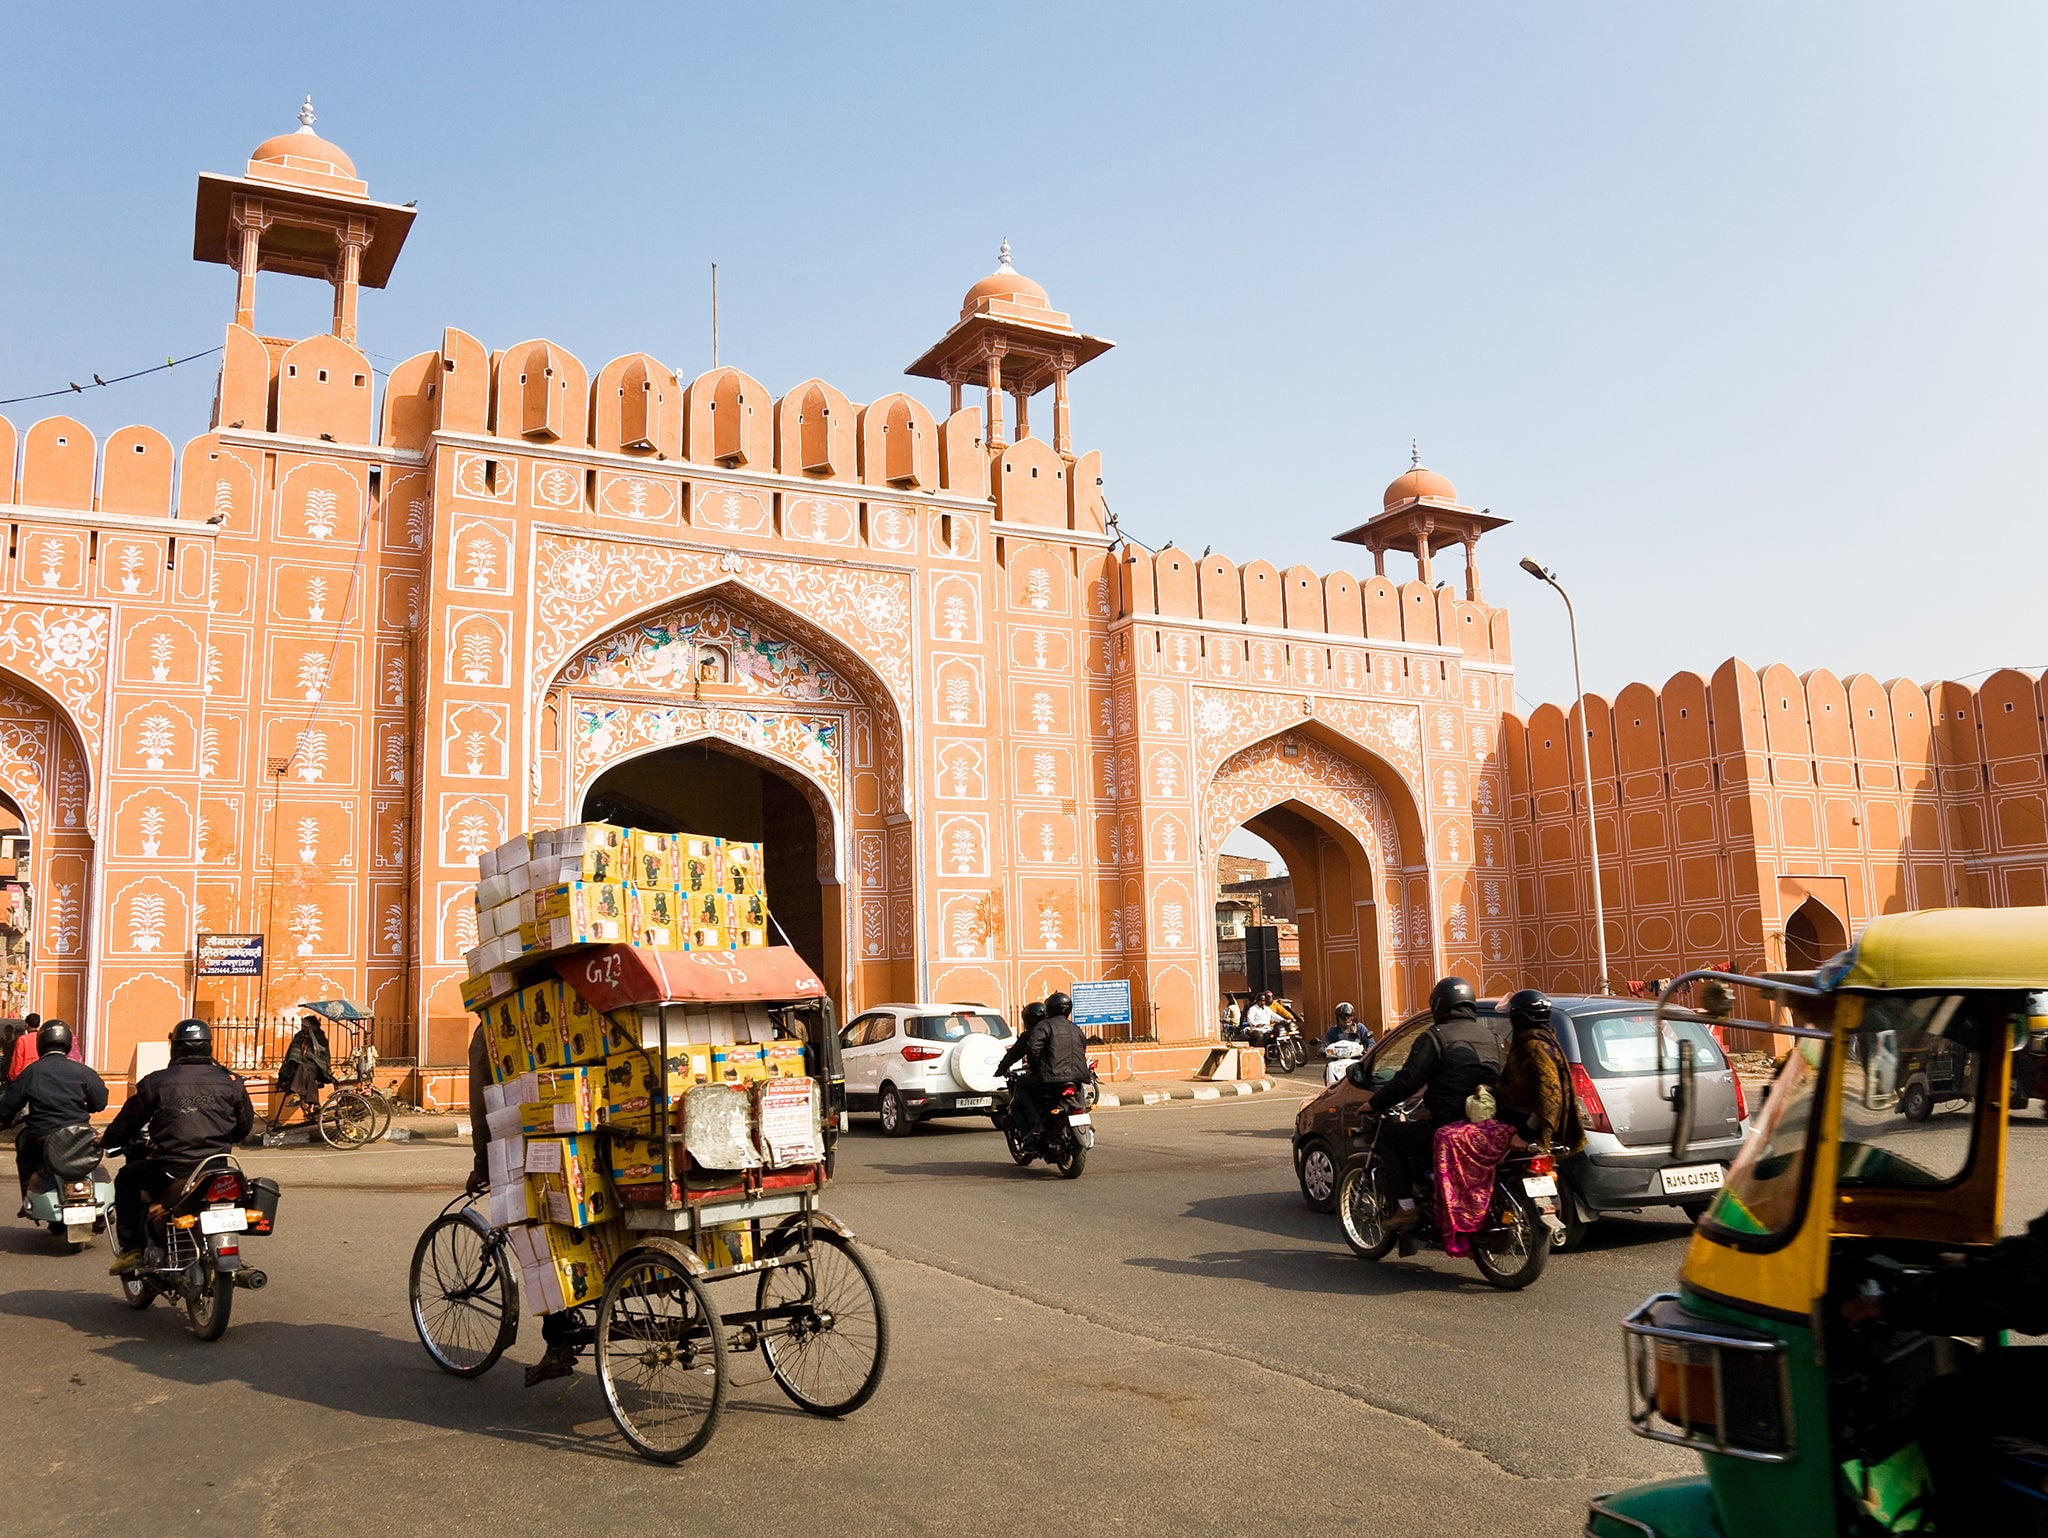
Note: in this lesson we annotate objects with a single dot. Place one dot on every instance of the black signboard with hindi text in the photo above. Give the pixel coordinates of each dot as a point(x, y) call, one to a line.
point(229, 956)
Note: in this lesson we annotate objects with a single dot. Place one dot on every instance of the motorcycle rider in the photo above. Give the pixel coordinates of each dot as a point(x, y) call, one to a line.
point(1348, 1027)
point(1259, 1021)
point(56, 1090)
point(1450, 1059)
point(188, 1112)
point(1054, 1051)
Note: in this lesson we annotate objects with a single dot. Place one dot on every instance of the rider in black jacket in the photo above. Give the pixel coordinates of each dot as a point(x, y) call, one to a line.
point(1450, 1060)
point(189, 1112)
point(56, 1092)
point(1055, 1051)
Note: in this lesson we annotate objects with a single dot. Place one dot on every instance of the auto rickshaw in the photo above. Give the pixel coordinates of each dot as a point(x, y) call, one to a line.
point(1804, 1423)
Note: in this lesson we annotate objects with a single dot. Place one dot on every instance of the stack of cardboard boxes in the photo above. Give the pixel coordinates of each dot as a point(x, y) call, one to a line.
point(598, 884)
point(572, 1133)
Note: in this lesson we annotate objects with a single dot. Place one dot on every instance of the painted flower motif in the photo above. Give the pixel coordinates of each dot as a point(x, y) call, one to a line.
point(880, 607)
point(576, 574)
point(70, 644)
point(1212, 716)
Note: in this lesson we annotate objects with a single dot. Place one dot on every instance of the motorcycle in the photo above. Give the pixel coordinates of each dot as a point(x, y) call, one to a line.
point(1510, 1248)
point(1066, 1131)
point(192, 1249)
point(1280, 1041)
point(72, 1194)
point(1339, 1055)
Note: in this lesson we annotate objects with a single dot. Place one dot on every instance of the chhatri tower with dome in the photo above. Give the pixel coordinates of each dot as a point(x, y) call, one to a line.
point(291, 675)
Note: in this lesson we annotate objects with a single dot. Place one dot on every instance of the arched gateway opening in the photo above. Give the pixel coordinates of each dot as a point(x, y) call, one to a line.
point(1319, 917)
point(1812, 935)
point(707, 787)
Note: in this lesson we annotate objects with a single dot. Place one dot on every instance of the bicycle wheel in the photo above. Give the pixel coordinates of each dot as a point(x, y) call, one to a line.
point(381, 1104)
point(660, 1354)
point(828, 1356)
point(346, 1120)
point(465, 1296)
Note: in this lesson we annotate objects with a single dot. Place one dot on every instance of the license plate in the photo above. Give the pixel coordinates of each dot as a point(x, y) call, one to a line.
point(1689, 1178)
point(1539, 1185)
point(81, 1214)
point(223, 1220)
point(1079, 1119)
point(974, 1100)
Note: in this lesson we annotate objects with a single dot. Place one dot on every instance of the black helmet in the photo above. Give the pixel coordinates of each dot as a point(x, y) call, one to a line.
point(1057, 1003)
point(1450, 994)
point(1033, 1013)
point(191, 1041)
point(54, 1037)
point(1529, 1009)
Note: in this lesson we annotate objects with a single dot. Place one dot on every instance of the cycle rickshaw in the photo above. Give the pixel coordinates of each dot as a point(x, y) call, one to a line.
point(663, 1347)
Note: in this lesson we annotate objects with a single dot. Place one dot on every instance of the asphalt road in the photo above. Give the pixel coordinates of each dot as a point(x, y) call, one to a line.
point(1171, 1344)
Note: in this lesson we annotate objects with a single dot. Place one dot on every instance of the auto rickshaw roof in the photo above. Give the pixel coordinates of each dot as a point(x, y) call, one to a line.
point(1947, 948)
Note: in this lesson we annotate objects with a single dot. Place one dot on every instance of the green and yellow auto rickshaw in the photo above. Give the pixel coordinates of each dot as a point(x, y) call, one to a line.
point(1804, 1423)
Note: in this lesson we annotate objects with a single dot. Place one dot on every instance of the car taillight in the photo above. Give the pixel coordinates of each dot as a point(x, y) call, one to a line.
point(1741, 1100)
point(917, 1054)
point(223, 1188)
point(1543, 1164)
point(1589, 1100)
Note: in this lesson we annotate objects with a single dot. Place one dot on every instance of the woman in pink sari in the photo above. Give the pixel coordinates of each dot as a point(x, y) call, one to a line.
point(1467, 1154)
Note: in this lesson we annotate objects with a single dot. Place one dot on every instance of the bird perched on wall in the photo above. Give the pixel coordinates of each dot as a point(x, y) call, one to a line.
point(218, 518)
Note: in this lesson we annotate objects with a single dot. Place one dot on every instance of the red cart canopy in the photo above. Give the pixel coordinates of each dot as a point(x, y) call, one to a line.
point(617, 976)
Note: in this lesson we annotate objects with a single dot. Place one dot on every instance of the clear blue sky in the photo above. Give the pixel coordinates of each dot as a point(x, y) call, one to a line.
point(1736, 310)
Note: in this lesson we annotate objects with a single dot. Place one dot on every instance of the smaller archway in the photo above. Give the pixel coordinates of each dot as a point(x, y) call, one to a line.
point(1813, 934)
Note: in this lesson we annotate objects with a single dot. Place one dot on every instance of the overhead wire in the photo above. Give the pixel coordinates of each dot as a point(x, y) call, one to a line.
point(74, 388)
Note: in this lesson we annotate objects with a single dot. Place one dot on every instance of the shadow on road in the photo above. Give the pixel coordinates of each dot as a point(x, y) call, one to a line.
point(349, 1369)
point(1334, 1270)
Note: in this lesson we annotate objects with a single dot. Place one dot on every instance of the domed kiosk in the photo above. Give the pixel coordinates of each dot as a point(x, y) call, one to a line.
point(1420, 512)
point(300, 208)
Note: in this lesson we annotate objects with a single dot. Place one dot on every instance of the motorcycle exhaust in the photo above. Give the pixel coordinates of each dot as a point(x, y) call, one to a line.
point(253, 1280)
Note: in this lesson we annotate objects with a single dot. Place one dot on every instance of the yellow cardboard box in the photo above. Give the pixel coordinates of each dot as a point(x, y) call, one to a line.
point(562, 1267)
point(744, 871)
point(786, 1060)
point(729, 1244)
point(653, 858)
point(657, 917)
point(572, 1177)
point(746, 921)
point(583, 901)
point(707, 922)
point(741, 1063)
point(700, 863)
point(511, 1052)
point(636, 1161)
point(566, 1101)
point(629, 1083)
point(580, 1026)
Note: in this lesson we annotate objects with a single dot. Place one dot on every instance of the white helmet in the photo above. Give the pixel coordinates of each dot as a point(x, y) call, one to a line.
point(1346, 1009)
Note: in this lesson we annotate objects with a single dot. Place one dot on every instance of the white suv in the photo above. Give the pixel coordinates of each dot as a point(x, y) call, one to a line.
point(906, 1062)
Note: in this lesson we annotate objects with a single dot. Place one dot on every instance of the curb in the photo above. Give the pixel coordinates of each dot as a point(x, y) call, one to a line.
point(1127, 1099)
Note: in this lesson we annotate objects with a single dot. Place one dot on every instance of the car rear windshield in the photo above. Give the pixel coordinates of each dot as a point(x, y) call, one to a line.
point(1622, 1046)
point(952, 1027)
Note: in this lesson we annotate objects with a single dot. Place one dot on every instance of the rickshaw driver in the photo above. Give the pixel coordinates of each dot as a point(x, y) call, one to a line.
point(557, 1331)
point(1998, 1392)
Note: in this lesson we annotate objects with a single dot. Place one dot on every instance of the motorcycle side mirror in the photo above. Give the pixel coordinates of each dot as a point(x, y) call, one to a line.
point(1355, 1071)
point(1684, 1101)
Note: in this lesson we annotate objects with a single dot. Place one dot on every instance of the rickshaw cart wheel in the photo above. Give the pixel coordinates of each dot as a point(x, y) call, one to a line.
point(1361, 1198)
point(346, 1120)
point(830, 1357)
point(1916, 1104)
point(660, 1353)
point(465, 1297)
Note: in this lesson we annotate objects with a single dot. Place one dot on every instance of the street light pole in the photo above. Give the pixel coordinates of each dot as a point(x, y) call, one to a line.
point(1544, 574)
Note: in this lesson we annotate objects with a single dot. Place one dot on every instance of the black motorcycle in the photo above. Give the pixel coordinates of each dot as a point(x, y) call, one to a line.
point(1510, 1248)
point(1281, 1042)
point(1065, 1131)
point(192, 1249)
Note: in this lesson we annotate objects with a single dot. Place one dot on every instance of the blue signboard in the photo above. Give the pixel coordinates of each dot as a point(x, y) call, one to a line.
point(1100, 1004)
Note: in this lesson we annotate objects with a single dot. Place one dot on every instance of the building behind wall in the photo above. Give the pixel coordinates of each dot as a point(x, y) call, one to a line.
point(292, 677)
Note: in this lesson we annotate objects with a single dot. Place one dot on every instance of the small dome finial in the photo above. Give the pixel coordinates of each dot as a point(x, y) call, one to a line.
point(306, 114)
point(1414, 454)
point(1003, 256)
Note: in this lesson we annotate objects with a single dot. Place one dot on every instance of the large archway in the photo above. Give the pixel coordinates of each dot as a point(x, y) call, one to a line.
point(1330, 905)
point(709, 787)
point(720, 712)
